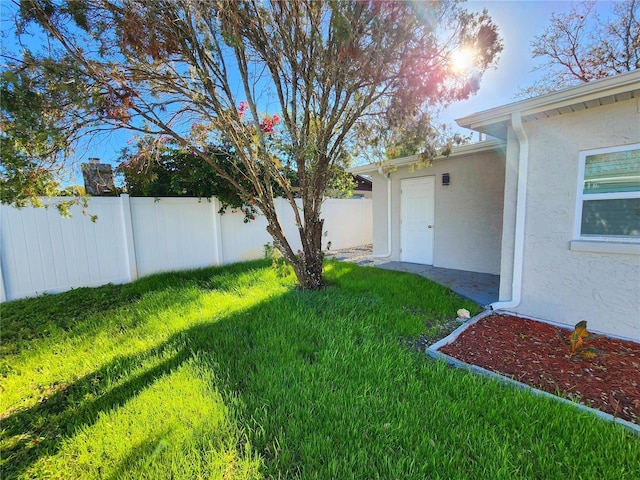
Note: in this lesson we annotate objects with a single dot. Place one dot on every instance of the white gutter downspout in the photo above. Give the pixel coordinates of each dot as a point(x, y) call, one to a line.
point(521, 203)
point(387, 254)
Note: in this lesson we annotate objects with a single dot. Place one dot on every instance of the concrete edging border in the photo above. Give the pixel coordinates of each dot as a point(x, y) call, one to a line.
point(433, 352)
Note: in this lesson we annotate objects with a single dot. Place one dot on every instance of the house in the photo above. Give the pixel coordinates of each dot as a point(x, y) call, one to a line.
point(551, 204)
point(363, 188)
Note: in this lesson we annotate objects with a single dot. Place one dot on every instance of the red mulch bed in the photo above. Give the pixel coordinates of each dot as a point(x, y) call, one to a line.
point(531, 352)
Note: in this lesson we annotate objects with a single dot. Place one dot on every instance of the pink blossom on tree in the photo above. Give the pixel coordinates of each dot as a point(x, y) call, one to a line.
point(268, 123)
point(242, 108)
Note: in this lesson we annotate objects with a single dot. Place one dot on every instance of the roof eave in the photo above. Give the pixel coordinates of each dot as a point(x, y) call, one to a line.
point(496, 120)
point(459, 151)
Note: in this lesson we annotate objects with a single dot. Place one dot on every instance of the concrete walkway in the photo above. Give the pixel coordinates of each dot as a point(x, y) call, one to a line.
point(482, 288)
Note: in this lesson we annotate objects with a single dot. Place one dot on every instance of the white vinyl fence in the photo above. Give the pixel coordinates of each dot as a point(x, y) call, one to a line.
point(42, 252)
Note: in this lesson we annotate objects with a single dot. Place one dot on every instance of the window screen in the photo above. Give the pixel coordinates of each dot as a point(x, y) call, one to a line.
point(610, 204)
point(612, 172)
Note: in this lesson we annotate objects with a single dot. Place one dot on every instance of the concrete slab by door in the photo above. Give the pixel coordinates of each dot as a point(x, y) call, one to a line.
point(417, 213)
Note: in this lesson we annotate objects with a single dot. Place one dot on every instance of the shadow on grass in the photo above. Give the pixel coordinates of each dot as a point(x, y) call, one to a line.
point(85, 310)
point(42, 429)
point(258, 355)
point(140, 455)
point(319, 384)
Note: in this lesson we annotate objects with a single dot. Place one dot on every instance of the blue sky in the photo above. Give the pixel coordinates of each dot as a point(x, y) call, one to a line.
point(519, 22)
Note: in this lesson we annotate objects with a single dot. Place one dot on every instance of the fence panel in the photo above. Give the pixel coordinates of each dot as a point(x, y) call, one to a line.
point(245, 241)
point(40, 251)
point(242, 241)
point(288, 221)
point(173, 234)
point(44, 252)
point(348, 223)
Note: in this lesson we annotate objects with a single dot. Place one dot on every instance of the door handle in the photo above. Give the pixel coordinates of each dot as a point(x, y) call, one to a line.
point(429, 226)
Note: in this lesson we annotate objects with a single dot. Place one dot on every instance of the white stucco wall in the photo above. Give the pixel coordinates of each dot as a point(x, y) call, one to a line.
point(561, 284)
point(468, 212)
point(379, 200)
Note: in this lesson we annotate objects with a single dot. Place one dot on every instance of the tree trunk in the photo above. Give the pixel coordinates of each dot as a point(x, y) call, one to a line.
point(311, 262)
point(306, 263)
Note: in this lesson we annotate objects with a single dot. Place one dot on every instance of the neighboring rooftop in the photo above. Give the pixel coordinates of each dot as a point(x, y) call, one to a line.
point(363, 184)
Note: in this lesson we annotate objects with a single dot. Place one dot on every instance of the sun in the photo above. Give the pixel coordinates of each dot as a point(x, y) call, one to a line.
point(462, 59)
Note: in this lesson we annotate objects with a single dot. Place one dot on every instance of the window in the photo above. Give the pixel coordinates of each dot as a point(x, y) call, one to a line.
point(608, 203)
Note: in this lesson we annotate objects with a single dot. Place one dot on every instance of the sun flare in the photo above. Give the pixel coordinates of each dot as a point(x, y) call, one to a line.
point(462, 59)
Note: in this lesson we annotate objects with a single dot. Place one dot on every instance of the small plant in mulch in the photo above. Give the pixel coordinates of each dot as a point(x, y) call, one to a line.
point(576, 342)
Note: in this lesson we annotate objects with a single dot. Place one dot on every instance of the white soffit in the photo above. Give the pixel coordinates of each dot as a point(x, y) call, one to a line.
point(573, 99)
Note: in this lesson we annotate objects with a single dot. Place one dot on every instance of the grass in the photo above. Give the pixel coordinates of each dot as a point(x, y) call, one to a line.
point(234, 373)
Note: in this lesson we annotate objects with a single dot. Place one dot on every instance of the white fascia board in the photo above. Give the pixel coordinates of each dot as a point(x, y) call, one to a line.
point(459, 151)
point(363, 169)
point(595, 90)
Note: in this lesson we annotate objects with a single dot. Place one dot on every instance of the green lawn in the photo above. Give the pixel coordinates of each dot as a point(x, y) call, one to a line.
point(234, 373)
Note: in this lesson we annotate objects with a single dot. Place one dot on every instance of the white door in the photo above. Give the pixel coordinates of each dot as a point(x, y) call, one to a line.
point(417, 213)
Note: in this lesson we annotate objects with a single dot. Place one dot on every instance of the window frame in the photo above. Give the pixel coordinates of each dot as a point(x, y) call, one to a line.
point(581, 197)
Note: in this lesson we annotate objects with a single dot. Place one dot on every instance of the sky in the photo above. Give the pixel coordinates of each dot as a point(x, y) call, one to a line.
point(518, 21)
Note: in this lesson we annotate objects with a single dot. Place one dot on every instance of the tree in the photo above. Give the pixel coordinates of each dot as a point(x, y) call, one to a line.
point(206, 72)
point(161, 169)
point(29, 138)
point(41, 105)
point(578, 47)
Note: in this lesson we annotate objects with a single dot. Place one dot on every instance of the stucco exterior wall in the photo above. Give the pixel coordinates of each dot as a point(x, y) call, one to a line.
point(468, 212)
point(561, 284)
point(380, 222)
